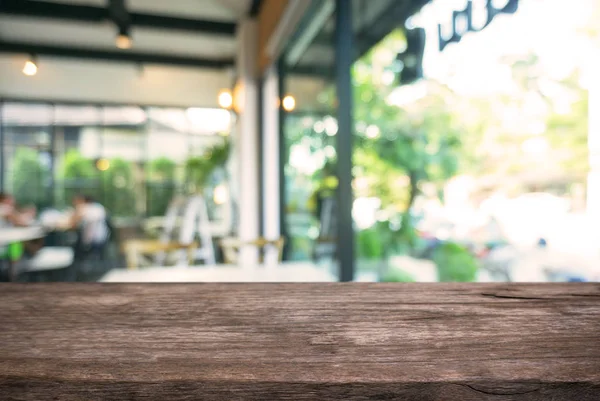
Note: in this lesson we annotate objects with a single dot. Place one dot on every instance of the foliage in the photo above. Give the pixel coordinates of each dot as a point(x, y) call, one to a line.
point(114, 188)
point(79, 176)
point(30, 179)
point(396, 275)
point(160, 186)
point(162, 169)
point(119, 192)
point(455, 263)
point(198, 169)
point(370, 246)
point(401, 148)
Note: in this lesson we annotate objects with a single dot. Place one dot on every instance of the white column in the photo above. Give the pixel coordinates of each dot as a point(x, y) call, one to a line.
point(246, 139)
point(270, 147)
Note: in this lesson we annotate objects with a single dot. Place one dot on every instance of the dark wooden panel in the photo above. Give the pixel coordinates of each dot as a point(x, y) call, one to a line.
point(300, 342)
point(270, 14)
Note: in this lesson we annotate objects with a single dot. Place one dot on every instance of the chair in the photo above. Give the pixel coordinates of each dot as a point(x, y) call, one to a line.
point(231, 247)
point(186, 248)
point(49, 262)
point(90, 261)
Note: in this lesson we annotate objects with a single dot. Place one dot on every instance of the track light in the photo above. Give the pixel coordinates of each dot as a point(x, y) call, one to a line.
point(30, 68)
point(225, 99)
point(289, 103)
point(124, 40)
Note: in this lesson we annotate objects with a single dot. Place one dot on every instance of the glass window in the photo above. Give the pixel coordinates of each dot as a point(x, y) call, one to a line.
point(121, 160)
point(168, 145)
point(309, 132)
point(77, 132)
point(27, 153)
point(482, 167)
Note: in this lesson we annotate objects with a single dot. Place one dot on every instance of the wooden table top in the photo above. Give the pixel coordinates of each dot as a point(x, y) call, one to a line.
point(467, 342)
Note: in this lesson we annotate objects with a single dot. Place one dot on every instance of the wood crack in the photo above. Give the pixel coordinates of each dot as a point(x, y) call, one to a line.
point(488, 392)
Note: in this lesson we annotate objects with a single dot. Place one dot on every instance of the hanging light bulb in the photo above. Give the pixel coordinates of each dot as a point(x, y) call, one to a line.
point(124, 40)
point(30, 68)
point(225, 99)
point(289, 103)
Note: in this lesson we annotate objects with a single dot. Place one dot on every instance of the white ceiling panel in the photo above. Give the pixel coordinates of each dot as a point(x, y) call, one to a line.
point(218, 10)
point(94, 81)
point(102, 36)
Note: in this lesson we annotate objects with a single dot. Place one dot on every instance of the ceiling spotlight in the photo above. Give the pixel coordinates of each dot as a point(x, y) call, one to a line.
point(225, 99)
point(30, 68)
point(124, 40)
point(289, 103)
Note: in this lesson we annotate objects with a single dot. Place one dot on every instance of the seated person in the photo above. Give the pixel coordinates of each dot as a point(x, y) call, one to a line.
point(11, 216)
point(89, 218)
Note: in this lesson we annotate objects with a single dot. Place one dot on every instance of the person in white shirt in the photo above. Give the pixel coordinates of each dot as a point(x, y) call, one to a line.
point(90, 218)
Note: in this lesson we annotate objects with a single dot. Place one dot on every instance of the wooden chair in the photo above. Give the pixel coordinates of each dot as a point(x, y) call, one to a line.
point(231, 247)
point(188, 250)
point(136, 249)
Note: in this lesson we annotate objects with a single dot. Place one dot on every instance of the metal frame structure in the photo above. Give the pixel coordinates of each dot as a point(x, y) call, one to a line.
point(116, 13)
point(348, 43)
point(118, 56)
point(90, 14)
point(344, 59)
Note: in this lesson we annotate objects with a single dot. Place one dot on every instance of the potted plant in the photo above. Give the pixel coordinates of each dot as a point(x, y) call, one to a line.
point(199, 169)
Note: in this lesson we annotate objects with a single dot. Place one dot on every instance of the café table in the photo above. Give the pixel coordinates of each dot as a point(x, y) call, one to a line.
point(284, 272)
point(9, 235)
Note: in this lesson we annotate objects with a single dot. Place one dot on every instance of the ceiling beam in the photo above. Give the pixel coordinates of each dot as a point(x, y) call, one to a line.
point(81, 13)
point(393, 17)
point(255, 8)
point(114, 56)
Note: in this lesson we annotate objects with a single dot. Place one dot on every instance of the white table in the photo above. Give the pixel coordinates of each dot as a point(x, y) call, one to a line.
point(19, 234)
point(286, 272)
point(9, 235)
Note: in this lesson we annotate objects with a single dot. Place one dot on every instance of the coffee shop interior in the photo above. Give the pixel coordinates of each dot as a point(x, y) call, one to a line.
point(298, 140)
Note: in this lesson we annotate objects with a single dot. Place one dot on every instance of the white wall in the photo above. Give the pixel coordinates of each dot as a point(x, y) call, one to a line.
point(93, 81)
point(270, 147)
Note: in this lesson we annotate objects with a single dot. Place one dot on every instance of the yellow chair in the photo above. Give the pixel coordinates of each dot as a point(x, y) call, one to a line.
point(231, 247)
point(135, 250)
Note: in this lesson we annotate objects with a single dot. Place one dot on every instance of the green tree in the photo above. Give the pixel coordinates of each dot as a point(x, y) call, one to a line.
point(455, 264)
point(78, 175)
point(199, 169)
point(119, 188)
point(400, 149)
point(30, 179)
point(161, 186)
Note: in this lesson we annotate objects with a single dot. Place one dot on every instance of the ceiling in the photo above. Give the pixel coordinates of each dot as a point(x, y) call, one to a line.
point(180, 44)
point(372, 21)
point(218, 10)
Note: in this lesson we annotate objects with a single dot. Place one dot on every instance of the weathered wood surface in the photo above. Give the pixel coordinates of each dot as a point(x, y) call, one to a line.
point(300, 342)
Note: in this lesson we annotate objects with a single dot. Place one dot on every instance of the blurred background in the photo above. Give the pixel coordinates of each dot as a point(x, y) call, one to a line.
point(403, 141)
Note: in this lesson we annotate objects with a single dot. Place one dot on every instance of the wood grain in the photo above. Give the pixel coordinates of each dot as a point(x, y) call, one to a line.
point(300, 342)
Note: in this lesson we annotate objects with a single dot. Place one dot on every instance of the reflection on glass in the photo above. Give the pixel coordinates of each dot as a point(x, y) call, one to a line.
point(489, 160)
